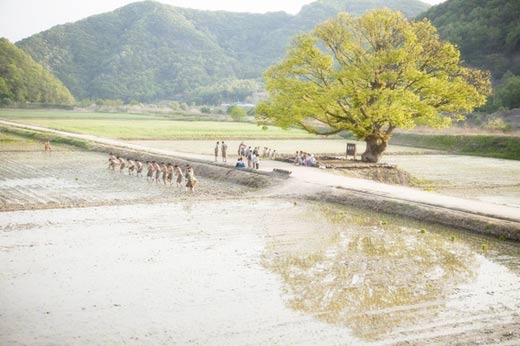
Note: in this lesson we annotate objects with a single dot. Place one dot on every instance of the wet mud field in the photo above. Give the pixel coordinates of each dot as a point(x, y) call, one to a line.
point(69, 178)
point(485, 179)
point(139, 263)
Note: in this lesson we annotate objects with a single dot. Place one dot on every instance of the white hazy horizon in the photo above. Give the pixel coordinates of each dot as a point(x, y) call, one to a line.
point(22, 18)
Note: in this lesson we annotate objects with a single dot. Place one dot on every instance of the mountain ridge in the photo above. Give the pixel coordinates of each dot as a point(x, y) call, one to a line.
point(24, 80)
point(150, 51)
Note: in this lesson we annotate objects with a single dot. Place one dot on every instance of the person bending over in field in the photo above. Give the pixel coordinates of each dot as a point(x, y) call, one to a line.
point(138, 168)
point(150, 169)
point(157, 172)
point(47, 146)
point(131, 167)
point(191, 180)
point(216, 151)
point(111, 161)
point(164, 172)
point(170, 173)
point(122, 164)
point(178, 172)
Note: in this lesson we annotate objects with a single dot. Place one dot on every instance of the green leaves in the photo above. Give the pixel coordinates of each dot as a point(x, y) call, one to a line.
point(370, 75)
point(24, 80)
point(149, 51)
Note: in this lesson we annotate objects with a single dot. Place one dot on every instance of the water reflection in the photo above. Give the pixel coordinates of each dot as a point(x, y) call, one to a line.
point(369, 277)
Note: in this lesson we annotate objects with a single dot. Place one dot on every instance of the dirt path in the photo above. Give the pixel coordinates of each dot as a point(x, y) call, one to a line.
point(320, 178)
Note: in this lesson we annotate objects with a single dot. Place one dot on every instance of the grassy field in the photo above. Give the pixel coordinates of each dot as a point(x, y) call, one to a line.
point(502, 147)
point(135, 126)
point(162, 127)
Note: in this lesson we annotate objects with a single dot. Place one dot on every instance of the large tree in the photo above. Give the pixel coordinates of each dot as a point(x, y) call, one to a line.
point(370, 75)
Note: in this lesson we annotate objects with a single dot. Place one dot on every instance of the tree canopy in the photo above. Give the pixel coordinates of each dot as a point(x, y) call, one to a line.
point(24, 80)
point(370, 75)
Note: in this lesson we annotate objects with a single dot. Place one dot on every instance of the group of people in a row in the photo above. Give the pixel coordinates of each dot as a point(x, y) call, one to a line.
point(252, 156)
point(247, 156)
point(304, 159)
point(267, 153)
point(158, 172)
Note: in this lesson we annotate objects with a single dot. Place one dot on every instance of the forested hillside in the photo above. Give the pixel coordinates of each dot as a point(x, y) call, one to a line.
point(149, 51)
point(24, 80)
point(488, 35)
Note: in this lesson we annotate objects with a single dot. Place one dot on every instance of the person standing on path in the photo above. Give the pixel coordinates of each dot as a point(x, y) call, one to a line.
point(250, 159)
point(170, 173)
point(240, 149)
point(256, 161)
point(216, 151)
point(224, 152)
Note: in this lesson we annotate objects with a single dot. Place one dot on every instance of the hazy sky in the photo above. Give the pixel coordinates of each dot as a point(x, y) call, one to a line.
point(22, 18)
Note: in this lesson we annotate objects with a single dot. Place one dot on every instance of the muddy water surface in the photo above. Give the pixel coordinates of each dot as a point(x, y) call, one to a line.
point(485, 179)
point(157, 266)
point(249, 272)
point(36, 179)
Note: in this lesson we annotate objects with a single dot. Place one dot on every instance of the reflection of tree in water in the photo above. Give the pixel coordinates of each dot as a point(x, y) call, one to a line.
point(372, 279)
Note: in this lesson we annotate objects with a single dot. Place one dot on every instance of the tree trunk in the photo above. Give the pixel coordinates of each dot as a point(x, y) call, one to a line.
point(376, 144)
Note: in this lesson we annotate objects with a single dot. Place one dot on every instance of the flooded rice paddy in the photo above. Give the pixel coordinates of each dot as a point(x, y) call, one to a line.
point(256, 272)
point(154, 265)
point(34, 179)
point(485, 179)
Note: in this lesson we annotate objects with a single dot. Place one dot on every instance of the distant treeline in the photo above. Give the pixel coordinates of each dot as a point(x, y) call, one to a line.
point(23, 80)
point(148, 51)
point(488, 36)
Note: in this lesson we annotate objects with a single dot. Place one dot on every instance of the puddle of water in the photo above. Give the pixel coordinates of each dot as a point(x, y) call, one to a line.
point(245, 272)
point(379, 279)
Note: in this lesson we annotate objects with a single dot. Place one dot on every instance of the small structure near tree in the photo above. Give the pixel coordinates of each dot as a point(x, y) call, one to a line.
point(351, 151)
